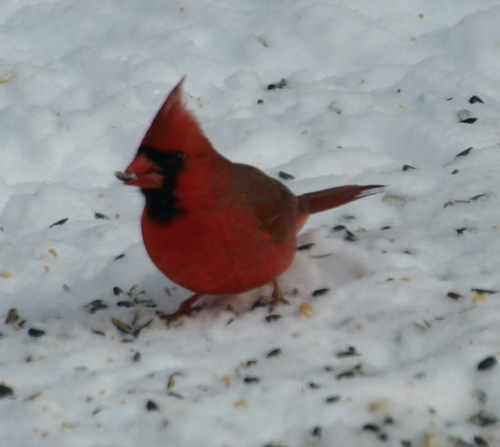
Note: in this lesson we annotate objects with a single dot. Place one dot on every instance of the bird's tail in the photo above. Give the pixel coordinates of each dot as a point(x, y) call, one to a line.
point(315, 202)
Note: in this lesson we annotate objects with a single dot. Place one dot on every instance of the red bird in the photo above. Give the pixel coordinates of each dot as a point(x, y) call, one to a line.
point(214, 226)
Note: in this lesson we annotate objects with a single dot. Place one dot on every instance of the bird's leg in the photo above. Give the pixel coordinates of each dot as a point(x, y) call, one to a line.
point(277, 296)
point(186, 309)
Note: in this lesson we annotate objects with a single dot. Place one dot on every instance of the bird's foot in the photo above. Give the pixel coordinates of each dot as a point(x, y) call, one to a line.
point(272, 301)
point(186, 309)
point(277, 296)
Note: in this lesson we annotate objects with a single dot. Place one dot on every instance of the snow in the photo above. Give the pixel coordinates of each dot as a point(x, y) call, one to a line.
point(384, 355)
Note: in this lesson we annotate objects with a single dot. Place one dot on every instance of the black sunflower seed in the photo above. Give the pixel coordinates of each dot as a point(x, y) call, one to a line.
point(408, 167)
point(464, 153)
point(320, 292)
point(469, 120)
point(286, 176)
point(454, 295)
point(251, 379)
point(274, 353)
point(33, 332)
point(487, 363)
point(152, 406)
point(474, 99)
point(59, 222)
point(306, 246)
point(6, 391)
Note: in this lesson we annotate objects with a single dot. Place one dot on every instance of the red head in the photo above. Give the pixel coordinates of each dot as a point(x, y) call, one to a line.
point(174, 131)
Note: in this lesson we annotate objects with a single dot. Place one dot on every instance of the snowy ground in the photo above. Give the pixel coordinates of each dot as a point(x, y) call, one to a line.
point(401, 312)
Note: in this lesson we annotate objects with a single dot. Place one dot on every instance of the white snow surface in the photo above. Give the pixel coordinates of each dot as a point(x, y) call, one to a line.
point(384, 355)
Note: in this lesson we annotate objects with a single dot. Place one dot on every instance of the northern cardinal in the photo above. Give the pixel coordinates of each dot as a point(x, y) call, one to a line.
point(214, 226)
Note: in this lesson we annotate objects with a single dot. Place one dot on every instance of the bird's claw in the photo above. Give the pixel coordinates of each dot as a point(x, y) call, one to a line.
point(186, 309)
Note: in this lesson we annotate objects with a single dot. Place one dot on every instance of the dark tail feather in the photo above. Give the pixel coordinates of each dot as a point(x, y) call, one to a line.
point(315, 202)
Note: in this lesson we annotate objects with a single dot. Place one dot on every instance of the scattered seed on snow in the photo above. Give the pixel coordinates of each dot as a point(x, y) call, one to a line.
point(376, 406)
point(350, 373)
point(152, 406)
point(251, 380)
point(59, 222)
point(306, 310)
point(6, 78)
point(33, 332)
point(286, 176)
point(332, 399)
point(317, 431)
point(53, 252)
point(274, 353)
point(349, 352)
point(424, 326)
point(383, 436)
point(469, 120)
point(350, 236)
point(6, 274)
point(278, 85)
point(464, 153)
point(484, 291)
point(125, 303)
point(137, 357)
point(487, 363)
point(479, 440)
point(121, 326)
point(479, 196)
point(117, 291)
point(101, 216)
point(119, 257)
point(388, 420)
point(95, 305)
point(6, 391)
point(33, 397)
point(242, 404)
point(306, 246)
point(408, 167)
point(473, 99)
point(483, 419)
point(176, 395)
point(320, 292)
point(273, 317)
point(454, 295)
point(261, 302)
point(12, 316)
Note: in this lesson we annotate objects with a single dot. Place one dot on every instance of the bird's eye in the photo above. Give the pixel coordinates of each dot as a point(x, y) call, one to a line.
point(181, 155)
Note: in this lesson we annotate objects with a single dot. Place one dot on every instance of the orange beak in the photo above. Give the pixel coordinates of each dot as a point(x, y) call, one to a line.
point(142, 172)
